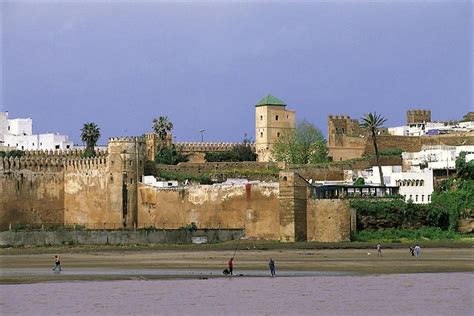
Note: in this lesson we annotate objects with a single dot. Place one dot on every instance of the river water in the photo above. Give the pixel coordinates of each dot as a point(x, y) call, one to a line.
point(388, 294)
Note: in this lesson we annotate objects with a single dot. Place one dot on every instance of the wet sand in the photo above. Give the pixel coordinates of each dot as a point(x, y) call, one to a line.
point(146, 264)
point(393, 294)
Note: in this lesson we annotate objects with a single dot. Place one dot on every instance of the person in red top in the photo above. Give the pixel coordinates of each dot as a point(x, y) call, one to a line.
point(231, 265)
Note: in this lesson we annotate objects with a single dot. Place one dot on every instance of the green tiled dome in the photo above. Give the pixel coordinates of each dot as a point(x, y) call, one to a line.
point(270, 100)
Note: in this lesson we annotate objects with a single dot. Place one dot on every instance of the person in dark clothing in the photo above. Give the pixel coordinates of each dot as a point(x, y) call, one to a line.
point(271, 264)
point(230, 266)
point(412, 251)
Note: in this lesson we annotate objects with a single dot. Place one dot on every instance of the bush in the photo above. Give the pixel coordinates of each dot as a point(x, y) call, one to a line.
point(88, 153)
point(398, 235)
point(394, 213)
point(222, 156)
point(170, 156)
point(190, 227)
point(449, 206)
point(359, 182)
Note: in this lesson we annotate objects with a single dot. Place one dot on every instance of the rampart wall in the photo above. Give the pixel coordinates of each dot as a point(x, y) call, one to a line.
point(250, 206)
point(86, 194)
point(329, 220)
point(113, 237)
point(355, 147)
point(60, 187)
point(31, 191)
point(214, 167)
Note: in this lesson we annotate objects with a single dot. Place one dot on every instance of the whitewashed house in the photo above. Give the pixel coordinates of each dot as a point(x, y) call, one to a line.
point(18, 134)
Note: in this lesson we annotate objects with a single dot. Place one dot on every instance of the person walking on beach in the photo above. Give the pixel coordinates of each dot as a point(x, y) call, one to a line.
point(379, 250)
point(271, 264)
point(417, 250)
point(230, 265)
point(57, 263)
point(412, 251)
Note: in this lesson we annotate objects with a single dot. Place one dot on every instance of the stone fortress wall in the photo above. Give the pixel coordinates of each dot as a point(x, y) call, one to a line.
point(418, 116)
point(104, 193)
point(347, 141)
point(62, 188)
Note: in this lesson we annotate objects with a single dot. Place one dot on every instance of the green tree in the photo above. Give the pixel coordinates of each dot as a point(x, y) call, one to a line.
point(162, 126)
point(90, 134)
point(244, 151)
point(305, 145)
point(240, 152)
point(167, 155)
point(371, 122)
point(464, 170)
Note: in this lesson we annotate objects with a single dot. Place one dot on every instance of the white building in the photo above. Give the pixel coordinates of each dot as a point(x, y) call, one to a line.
point(18, 134)
point(431, 128)
point(436, 157)
point(151, 181)
point(416, 185)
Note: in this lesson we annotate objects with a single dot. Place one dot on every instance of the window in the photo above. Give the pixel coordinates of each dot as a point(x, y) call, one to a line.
point(33, 144)
point(261, 134)
point(276, 117)
point(22, 147)
point(8, 127)
point(261, 117)
point(278, 134)
point(68, 146)
point(57, 146)
point(411, 197)
point(416, 198)
point(429, 198)
point(41, 144)
point(422, 198)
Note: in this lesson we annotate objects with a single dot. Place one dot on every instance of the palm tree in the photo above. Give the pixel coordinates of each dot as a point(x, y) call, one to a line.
point(162, 126)
point(90, 135)
point(371, 122)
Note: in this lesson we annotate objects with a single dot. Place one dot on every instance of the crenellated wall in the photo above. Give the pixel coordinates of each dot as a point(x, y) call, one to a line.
point(31, 191)
point(86, 194)
point(104, 192)
point(54, 187)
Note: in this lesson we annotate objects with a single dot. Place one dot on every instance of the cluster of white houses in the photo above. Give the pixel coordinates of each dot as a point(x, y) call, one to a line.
point(18, 134)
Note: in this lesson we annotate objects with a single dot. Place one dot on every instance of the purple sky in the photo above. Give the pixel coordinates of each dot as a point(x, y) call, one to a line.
point(206, 64)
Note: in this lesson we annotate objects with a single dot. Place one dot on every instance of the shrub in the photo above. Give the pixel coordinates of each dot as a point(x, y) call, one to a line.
point(170, 156)
point(190, 227)
point(88, 153)
point(398, 235)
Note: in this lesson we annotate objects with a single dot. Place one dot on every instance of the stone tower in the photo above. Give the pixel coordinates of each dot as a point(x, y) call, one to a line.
point(126, 160)
point(418, 116)
point(272, 121)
